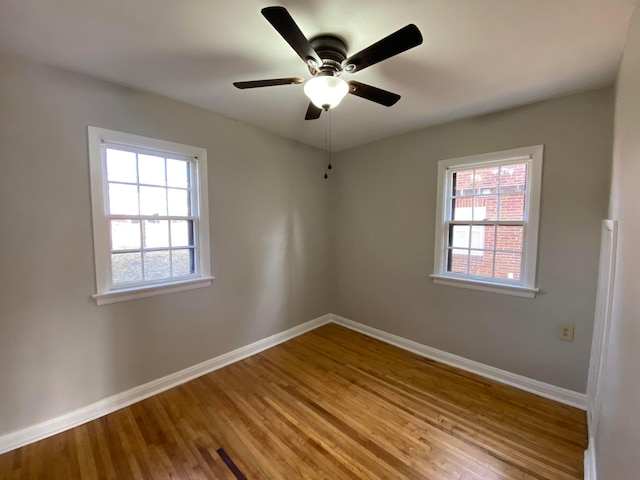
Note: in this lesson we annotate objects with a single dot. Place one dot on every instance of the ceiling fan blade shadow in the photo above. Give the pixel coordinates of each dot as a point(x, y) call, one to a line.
point(313, 112)
point(280, 19)
point(268, 83)
point(398, 42)
point(375, 94)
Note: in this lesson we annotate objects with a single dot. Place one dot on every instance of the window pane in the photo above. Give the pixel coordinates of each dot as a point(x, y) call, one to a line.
point(178, 173)
point(123, 199)
point(481, 263)
point(121, 166)
point(487, 181)
point(125, 234)
point(478, 236)
point(126, 267)
point(183, 262)
point(510, 238)
point(462, 183)
point(462, 208)
point(156, 233)
point(157, 265)
point(483, 236)
point(458, 261)
point(512, 207)
point(151, 170)
point(181, 233)
point(485, 208)
point(508, 266)
point(153, 201)
point(178, 202)
point(513, 178)
point(459, 236)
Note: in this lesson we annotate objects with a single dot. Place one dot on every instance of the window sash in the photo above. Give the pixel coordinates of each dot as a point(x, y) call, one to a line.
point(448, 247)
point(450, 187)
point(193, 207)
point(194, 248)
point(166, 154)
point(450, 199)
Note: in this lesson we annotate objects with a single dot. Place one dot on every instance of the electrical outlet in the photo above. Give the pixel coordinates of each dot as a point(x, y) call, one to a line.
point(565, 332)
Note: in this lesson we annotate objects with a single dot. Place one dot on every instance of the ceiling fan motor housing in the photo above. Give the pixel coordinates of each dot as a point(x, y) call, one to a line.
point(333, 52)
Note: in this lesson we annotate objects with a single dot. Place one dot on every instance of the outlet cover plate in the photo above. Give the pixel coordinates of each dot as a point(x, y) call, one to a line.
point(566, 331)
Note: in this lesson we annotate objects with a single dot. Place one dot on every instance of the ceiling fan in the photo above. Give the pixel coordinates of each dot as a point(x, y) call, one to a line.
point(326, 58)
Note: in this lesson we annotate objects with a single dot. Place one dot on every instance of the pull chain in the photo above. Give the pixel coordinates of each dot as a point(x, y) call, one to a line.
point(327, 145)
point(329, 150)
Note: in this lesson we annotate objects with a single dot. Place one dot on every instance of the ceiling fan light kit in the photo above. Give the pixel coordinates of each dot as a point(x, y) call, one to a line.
point(326, 59)
point(326, 91)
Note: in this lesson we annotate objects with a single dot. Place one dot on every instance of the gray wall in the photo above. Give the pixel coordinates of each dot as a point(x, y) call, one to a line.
point(619, 423)
point(58, 350)
point(271, 214)
point(383, 203)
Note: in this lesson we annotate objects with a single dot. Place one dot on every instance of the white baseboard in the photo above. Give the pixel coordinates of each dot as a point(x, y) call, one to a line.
point(108, 405)
point(590, 462)
point(562, 395)
point(25, 436)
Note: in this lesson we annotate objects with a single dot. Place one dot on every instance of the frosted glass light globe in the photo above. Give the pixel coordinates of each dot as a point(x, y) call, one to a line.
point(326, 92)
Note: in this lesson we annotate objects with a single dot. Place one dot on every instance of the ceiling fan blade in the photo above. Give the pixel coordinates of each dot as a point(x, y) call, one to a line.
point(398, 42)
point(280, 19)
point(268, 83)
point(313, 112)
point(374, 94)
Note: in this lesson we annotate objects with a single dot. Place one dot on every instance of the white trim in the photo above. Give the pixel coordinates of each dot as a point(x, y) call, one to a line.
point(590, 472)
point(533, 155)
point(105, 291)
point(602, 322)
point(25, 436)
point(493, 158)
point(514, 290)
point(561, 395)
point(115, 296)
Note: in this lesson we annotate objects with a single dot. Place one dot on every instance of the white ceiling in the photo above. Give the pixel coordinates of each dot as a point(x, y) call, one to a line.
point(477, 56)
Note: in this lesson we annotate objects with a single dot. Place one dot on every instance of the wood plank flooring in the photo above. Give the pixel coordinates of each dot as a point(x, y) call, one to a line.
point(330, 404)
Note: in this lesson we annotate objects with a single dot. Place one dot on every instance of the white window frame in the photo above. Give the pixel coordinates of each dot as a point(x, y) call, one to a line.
point(526, 286)
point(106, 293)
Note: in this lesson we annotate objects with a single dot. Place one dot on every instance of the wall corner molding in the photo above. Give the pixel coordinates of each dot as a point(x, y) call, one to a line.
point(19, 438)
point(590, 472)
point(552, 392)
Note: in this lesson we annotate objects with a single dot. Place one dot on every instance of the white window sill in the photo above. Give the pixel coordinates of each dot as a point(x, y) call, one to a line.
point(125, 294)
point(505, 289)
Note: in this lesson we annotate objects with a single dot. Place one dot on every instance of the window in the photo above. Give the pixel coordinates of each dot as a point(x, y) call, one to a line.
point(487, 221)
point(150, 220)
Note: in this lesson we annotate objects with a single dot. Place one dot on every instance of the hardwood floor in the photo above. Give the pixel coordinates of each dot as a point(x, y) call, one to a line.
point(330, 404)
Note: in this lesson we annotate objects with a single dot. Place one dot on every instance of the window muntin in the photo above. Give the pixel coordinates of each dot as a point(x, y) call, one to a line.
point(487, 221)
point(150, 215)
